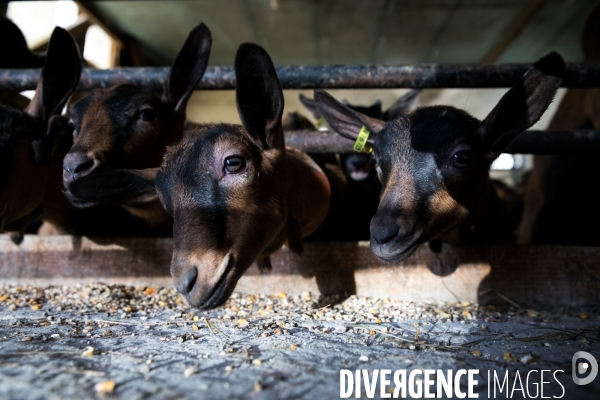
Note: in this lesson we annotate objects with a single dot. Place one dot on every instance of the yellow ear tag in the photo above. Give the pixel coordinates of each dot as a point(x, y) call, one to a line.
point(361, 144)
point(321, 122)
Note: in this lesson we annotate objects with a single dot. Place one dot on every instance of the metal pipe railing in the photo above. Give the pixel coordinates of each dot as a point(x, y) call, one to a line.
point(358, 76)
point(326, 77)
point(581, 142)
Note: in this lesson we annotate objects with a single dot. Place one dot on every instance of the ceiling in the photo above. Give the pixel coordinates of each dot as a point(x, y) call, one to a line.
point(356, 32)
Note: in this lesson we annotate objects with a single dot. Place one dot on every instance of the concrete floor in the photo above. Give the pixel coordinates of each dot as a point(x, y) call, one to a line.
point(100, 341)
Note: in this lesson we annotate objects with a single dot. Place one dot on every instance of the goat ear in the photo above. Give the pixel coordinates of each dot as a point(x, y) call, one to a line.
point(310, 105)
point(343, 119)
point(60, 75)
point(403, 105)
point(13, 47)
point(189, 67)
point(118, 187)
point(523, 105)
point(259, 97)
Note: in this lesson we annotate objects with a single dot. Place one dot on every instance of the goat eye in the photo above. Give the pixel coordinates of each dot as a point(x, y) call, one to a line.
point(147, 114)
point(461, 160)
point(234, 164)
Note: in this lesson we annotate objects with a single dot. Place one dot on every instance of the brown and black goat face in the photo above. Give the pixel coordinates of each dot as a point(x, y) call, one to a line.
point(127, 126)
point(29, 138)
point(433, 162)
point(111, 126)
point(434, 173)
point(228, 200)
point(226, 188)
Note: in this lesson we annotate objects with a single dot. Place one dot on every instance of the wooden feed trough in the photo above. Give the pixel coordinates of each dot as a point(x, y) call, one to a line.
point(527, 276)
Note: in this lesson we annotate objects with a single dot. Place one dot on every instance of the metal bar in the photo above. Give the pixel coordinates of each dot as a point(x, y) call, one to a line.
point(326, 77)
point(581, 141)
point(529, 142)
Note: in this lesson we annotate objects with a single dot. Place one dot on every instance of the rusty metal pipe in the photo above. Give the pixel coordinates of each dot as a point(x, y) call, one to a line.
point(529, 142)
point(326, 77)
point(581, 141)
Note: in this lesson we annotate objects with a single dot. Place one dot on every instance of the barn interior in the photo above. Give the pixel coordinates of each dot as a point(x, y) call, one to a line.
point(116, 33)
point(100, 317)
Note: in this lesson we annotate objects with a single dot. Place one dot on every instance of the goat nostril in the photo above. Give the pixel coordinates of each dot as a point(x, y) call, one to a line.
point(84, 166)
point(78, 163)
point(189, 280)
point(384, 233)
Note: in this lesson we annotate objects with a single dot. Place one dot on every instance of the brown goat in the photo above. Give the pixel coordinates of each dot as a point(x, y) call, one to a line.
point(433, 163)
point(560, 200)
point(29, 138)
point(126, 126)
point(235, 192)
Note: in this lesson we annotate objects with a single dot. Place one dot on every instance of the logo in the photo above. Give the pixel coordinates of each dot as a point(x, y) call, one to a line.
point(583, 367)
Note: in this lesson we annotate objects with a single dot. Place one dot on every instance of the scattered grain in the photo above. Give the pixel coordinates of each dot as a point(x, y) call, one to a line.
point(105, 387)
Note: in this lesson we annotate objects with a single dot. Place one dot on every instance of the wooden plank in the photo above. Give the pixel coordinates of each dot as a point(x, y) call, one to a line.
point(529, 276)
point(77, 30)
point(90, 10)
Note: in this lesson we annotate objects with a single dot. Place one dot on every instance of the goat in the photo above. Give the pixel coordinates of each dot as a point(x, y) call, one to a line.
point(236, 192)
point(433, 163)
point(560, 205)
point(30, 137)
point(129, 127)
point(351, 214)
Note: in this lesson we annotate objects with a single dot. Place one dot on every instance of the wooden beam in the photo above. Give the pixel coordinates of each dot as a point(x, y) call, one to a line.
point(91, 11)
point(126, 51)
point(513, 31)
point(77, 30)
point(529, 276)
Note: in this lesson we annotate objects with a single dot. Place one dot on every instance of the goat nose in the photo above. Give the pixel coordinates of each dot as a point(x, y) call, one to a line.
point(384, 226)
point(186, 283)
point(76, 165)
point(384, 233)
